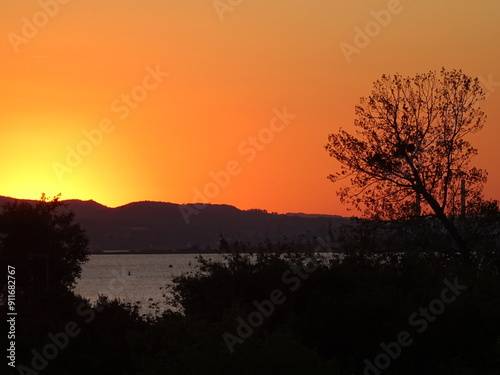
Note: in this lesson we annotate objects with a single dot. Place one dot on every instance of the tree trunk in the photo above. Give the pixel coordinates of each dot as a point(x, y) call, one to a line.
point(448, 225)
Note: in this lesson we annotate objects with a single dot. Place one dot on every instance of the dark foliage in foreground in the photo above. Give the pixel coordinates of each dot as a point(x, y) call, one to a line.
point(45, 245)
point(335, 313)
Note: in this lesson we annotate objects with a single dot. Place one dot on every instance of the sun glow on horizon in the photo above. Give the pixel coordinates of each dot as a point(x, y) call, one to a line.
point(179, 90)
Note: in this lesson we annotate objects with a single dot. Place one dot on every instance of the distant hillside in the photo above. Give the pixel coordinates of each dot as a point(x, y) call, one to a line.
point(153, 226)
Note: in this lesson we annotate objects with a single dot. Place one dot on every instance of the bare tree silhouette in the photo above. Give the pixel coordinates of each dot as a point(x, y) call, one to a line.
point(409, 155)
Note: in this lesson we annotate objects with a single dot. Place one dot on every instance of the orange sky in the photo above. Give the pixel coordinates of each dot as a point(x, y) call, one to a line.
point(174, 93)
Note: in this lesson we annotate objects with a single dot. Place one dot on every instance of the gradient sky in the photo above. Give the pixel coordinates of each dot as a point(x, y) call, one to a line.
point(230, 70)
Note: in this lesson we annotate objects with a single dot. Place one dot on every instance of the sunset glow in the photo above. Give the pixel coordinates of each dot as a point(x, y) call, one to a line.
point(126, 100)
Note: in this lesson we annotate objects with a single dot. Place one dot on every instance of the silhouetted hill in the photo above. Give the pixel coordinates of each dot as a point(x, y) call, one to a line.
point(4, 200)
point(150, 226)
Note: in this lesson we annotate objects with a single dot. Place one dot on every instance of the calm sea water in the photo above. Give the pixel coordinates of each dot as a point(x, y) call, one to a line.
point(134, 277)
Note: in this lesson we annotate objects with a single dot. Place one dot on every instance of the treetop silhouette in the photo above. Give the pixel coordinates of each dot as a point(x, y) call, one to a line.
point(409, 156)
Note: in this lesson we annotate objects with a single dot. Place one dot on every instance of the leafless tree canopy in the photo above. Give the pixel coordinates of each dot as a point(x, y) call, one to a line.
point(409, 153)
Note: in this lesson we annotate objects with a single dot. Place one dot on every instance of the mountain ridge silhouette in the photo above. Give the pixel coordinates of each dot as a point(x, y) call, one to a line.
point(152, 226)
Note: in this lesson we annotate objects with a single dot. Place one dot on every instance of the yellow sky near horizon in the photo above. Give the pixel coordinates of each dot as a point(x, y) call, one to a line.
point(177, 93)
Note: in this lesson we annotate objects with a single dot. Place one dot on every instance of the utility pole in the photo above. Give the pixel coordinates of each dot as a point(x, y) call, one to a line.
point(463, 193)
